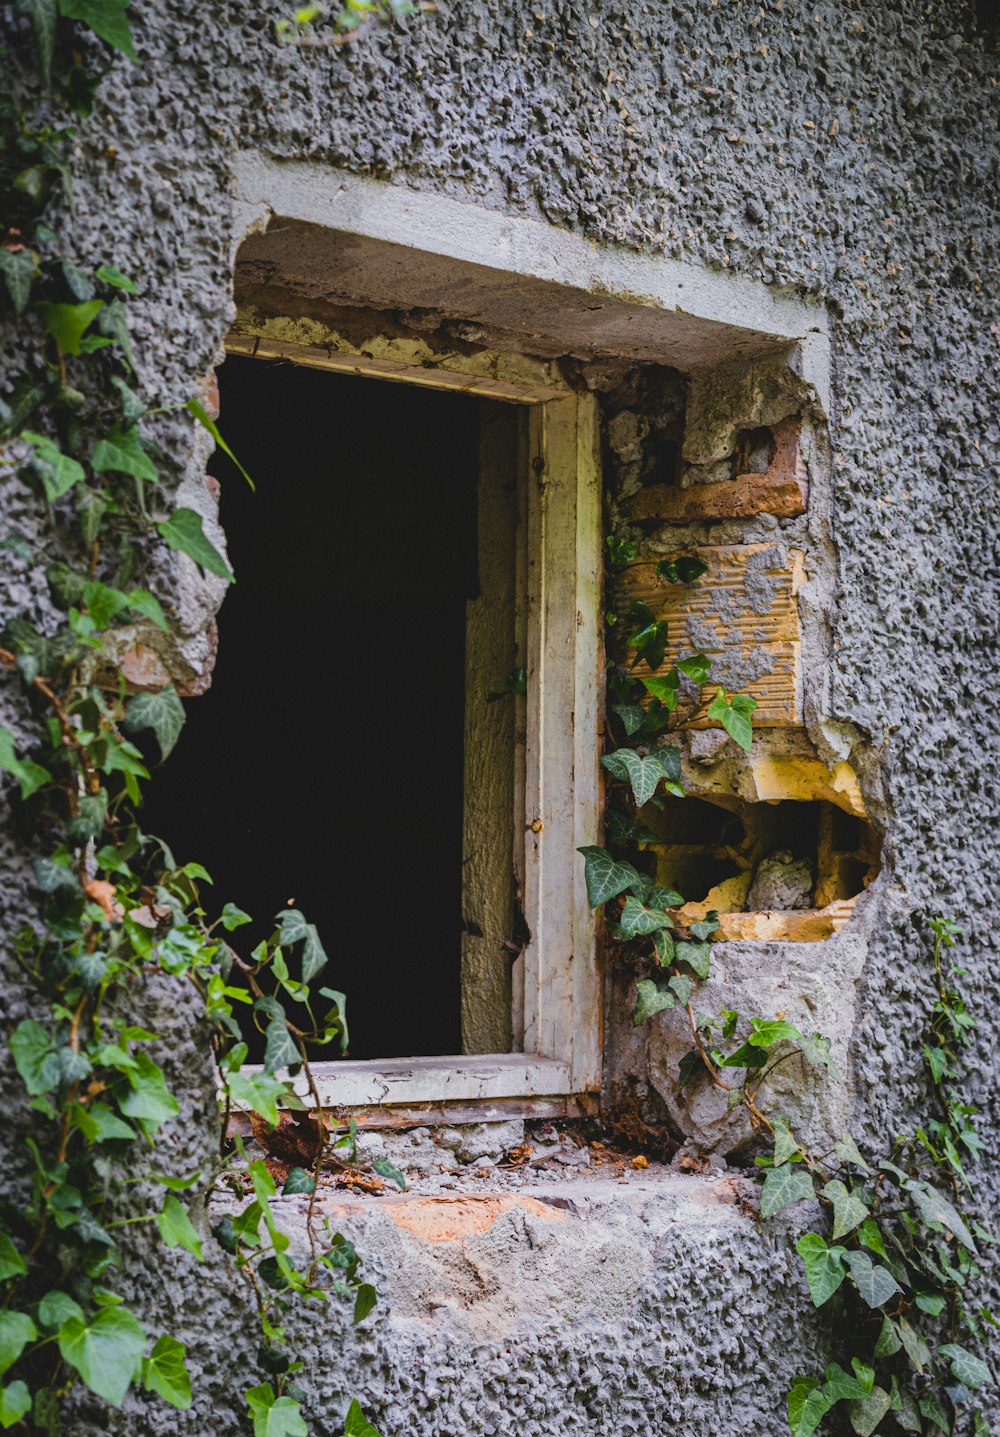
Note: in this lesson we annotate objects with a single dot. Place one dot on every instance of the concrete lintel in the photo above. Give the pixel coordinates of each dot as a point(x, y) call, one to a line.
point(512, 272)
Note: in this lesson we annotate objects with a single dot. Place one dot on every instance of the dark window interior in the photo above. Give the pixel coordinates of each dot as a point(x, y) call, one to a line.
point(323, 768)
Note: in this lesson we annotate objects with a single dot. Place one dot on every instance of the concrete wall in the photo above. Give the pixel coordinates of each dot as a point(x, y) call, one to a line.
point(847, 151)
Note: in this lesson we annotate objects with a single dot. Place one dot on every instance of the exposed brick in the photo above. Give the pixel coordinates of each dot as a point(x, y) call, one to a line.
point(782, 490)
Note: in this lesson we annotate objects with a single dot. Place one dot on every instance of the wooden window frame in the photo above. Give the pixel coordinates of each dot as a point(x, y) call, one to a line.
point(557, 1010)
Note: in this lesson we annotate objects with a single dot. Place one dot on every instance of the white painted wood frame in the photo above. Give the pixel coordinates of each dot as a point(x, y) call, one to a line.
point(557, 1018)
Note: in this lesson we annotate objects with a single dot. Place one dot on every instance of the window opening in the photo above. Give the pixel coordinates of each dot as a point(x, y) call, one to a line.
point(324, 766)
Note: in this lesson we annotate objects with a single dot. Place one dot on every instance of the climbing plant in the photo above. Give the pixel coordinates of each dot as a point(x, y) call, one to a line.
point(118, 914)
point(899, 1244)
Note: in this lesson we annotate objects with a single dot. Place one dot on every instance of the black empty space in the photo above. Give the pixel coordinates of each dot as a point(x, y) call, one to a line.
point(324, 766)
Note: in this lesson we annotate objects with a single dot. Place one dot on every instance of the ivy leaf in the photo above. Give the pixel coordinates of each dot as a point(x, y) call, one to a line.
point(294, 929)
point(664, 946)
point(386, 1169)
point(767, 1032)
point(888, 1343)
point(605, 877)
point(162, 712)
point(59, 472)
point(682, 570)
point(681, 986)
point(233, 917)
point(183, 531)
point(148, 1100)
point(279, 1047)
point(105, 1352)
point(165, 1372)
point(259, 1092)
point(866, 1415)
point(20, 267)
point(121, 452)
point(67, 322)
point(807, 1406)
point(782, 1187)
point(938, 1213)
point(176, 1228)
point(631, 715)
point(56, 1308)
point(664, 687)
point(846, 1149)
point(12, 1263)
point(31, 776)
point(840, 1386)
point(698, 957)
point(15, 1402)
point(785, 1145)
point(696, 667)
point(364, 1300)
point(106, 18)
point(733, 712)
point(966, 1368)
point(35, 1057)
point(274, 1416)
point(298, 1181)
point(849, 1211)
point(650, 644)
point(643, 774)
point(650, 999)
point(913, 1344)
point(933, 1303)
point(875, 1284)
point(199, 412)
point(141, 601)
point(100, 1124)
point(824, 1265)
point(109, 274)
point(356, 1424)
point(816, 1050)
point(638, 921)
point(16, 1331)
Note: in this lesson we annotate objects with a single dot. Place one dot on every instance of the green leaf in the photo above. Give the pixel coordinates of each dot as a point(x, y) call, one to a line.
point(782, 1187)
point(31, 776)
point(165, 1372)
point(15, 1403)
point(841, 1386)
point(650, 999)
point(698, 957)
point(356, 1424)
point(106, 18)
point(294, 929)
point(386, 1169)
point(866, 1415)
point(631, 715)
point(274, 1416)
point(807, 1406)
point(122, 453)
point(141, 601)
point(848, 1209)
point(643, 774)
point(913, 1344)
point(980, 1425)
point(176, 1228)
point(696, 667)
point(769, 1031)
point(67, 322)
point(931, 1409)
point(105, 1352)
point(259, 1092)
point(875, 1284)
point(682, 986)
point(148, 1099)
point(162, 712)
point(785, 1145)
point(933, 1303)
point(233, 917)
point(663, 687)
point(606, 878)
point(100, 1124)
point(733, 712)
point(298, 1181)
point(280, 1050)
point(20, 267)
point(364, 1300)
point(35, 1056)
point(108, 274)
point(12, 1263)
point(824, 1265)
point(966, 1368)
point(846, 1149)
point(939, 1214)
point(650, 644)
point(681, 570)
point(198, 410)
point(816, 1050)
point(16, 1331)
point(888, 1343)
point(183, 532)
point(56, 1308)
point(59, 472)
point(638, 921)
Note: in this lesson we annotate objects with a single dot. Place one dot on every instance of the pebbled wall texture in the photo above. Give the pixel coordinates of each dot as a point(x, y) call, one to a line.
point(847, 149)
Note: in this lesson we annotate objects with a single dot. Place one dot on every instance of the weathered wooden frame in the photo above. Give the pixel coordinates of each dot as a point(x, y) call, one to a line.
point(557, 1018)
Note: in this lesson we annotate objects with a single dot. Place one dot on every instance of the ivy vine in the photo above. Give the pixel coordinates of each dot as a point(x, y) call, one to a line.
point(115, 906)
point(900, 1243)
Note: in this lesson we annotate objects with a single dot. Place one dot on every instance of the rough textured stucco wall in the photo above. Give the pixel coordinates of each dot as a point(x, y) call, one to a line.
point(849, 149)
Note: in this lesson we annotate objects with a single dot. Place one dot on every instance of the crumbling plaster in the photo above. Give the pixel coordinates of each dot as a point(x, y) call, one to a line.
point(842, 151)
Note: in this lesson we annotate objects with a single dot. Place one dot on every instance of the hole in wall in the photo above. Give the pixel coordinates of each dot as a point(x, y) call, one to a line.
point(786, 856)
point(755, 450)
point(324, 766)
